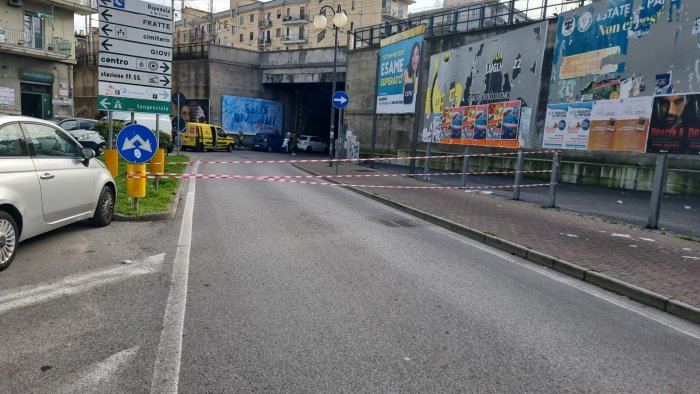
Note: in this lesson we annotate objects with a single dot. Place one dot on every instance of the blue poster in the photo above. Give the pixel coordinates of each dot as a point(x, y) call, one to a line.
point(251, 115)
point(588, 37)
point(399, 72)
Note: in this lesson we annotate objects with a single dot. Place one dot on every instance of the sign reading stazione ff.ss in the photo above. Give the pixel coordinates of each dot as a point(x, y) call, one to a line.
point(135, 59)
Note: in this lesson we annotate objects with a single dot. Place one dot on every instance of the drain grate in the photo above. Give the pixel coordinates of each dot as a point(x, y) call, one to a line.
point(397, 222)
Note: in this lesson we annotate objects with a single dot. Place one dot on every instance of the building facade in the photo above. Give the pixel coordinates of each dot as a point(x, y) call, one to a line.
point(282, 24)
point(37, 54)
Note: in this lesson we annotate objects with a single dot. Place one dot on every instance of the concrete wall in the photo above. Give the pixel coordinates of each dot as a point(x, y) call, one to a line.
point(302, 66)
point(232, 72)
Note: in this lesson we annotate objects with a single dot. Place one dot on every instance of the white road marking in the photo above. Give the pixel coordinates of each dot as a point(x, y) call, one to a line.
point(93, 378)
point(166, 371)
point(73, 284)
point(666, 319)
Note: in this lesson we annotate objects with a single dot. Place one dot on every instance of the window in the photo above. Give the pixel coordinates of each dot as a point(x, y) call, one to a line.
point(252, 18)
point(33, 31)
point(241, 21)
point(301, 33)
point(225, 40)
point(279, 14)
point(50, 142)
point(278, 32)
point(352, 7)
point(268, 16)
point(301, 12)
point(289, 11)
point(10, 142)
point(241, 38)
point(251, 36)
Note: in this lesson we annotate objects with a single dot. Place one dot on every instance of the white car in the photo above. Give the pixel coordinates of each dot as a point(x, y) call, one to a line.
point(47, 180)
point(310, 143)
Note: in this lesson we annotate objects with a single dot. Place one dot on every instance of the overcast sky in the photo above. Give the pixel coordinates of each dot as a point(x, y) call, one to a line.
point(221, 5)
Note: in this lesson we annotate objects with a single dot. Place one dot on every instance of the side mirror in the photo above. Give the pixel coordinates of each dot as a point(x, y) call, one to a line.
point(87, 154)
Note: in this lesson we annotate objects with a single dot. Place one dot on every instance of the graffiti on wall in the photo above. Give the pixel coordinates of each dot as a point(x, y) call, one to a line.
point(476, 93)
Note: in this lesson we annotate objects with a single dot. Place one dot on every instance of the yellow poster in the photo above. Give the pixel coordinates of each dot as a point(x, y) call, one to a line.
point(589, 63)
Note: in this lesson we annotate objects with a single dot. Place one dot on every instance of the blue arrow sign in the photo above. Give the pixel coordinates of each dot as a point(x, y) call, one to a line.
point(136, 143)
point(341, 99)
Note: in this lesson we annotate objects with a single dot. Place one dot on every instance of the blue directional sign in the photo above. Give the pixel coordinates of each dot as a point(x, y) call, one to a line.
point(179, 98)
point(178, 124)
point(341, 99)
point(136, 143)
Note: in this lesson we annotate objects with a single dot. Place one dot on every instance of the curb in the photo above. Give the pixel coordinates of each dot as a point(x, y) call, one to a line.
point(664, 303)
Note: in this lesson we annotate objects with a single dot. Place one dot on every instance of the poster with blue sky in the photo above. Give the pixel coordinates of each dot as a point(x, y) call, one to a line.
point(251, 115)
point(399, 72)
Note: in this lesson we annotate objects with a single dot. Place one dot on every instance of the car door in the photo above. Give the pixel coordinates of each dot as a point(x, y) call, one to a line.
point(19, 185)
point(316, 143)
point(67, 184)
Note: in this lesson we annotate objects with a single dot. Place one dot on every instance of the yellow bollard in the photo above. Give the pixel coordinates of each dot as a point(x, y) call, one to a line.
point(136, 187)
point(158, 162)
point(112, 161)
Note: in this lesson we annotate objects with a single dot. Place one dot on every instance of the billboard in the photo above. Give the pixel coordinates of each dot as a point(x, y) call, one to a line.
point(623, 50)
point(488, 82)
point(675, 124)
point(399, 72)
point(195, 110)
point(251, 115)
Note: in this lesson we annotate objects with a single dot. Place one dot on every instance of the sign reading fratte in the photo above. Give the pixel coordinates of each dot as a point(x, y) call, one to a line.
point(135, 59)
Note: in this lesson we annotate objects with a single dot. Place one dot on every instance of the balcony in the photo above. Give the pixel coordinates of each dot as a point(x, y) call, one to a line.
point(294, 19)
point(262, 43)
point(292, 39)
point(393, 13)
point(264, 23)
point(24, 44)
point(80, 7)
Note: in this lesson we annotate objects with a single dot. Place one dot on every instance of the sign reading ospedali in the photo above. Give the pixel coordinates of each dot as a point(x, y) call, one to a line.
point(135, 59)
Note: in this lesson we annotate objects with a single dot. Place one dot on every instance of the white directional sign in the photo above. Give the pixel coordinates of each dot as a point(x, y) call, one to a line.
point(135, 60)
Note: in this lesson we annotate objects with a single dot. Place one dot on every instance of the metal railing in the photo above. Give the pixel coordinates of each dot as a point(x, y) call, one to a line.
point(22, 39)
point(295, 18)
point(292, 37)
point(470, 17)
point(191, 52)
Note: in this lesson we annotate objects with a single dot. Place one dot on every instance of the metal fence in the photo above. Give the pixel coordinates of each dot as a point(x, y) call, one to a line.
point(475, 16)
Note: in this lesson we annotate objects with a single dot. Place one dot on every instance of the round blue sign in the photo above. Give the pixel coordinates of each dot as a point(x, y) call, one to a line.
point(179, 124)
point(179, 98)
point(137, 144)
point(341, 99)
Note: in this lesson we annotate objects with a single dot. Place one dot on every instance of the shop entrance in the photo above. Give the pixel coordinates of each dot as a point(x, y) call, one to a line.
point(36, 100)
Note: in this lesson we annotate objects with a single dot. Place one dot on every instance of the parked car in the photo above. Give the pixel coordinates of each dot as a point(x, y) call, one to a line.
point(89, 139)
point(47, 180)
point(268, 141)
point(311, 143)
point(69, 124)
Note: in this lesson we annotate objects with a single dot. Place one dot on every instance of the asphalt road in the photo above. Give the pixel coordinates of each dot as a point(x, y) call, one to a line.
point(269, 286)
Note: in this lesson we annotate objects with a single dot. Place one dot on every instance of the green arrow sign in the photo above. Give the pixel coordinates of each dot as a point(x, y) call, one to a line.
point(107, 103)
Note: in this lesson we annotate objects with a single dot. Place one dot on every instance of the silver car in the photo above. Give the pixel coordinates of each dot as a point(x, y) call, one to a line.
point(47, 180)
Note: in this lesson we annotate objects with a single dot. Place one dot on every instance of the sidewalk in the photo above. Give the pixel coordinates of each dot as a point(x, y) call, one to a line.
point(656, 269)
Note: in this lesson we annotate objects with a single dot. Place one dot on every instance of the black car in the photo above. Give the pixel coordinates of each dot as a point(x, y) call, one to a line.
point(76, 123)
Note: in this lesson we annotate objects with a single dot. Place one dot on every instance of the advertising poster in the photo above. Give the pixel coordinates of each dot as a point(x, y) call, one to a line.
point(445, 126)
point(555, 126)
point(481, 113)
point(399, 72)
point(251, 115)
point(511, 120)
point(675, 125)
point(494, 70)
point(495, 121)
point(195, 110)
point(578, 125)
point(602, 133)
point(456, 125)
point(468, 125)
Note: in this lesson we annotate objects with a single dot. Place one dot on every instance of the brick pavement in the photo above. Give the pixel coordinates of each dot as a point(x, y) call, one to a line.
point(649, 259)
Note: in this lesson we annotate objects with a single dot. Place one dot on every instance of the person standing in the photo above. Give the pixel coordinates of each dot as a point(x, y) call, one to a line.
point(293, 142)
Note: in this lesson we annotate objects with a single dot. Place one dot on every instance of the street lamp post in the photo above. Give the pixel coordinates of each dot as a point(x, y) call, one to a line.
point(339, 20)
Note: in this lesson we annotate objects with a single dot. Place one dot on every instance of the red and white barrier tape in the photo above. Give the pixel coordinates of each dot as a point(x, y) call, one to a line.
point(165, 175)
point(351, 160)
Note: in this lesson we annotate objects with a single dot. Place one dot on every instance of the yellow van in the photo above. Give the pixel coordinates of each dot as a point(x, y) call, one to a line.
point(204, 136)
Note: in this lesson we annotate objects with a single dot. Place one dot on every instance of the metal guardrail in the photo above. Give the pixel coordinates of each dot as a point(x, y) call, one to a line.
point(22, 39)
point(470, 17)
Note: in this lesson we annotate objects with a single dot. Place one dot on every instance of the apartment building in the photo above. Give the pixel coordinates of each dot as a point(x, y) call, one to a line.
point(282, 24)
point(37, 54)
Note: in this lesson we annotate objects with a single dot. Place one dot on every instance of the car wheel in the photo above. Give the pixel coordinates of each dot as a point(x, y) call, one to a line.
point(269, 148)
point(200, 147)
point(229, 148)
point(8, 239)
point(104, 213)
point(309, 149)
